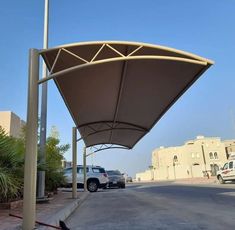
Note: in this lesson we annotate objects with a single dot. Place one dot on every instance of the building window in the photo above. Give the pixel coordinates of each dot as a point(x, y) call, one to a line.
point(230, 164)
point(211, 155)
point(175, 158)
point(193, 155)
point(215, 155)
point(198, 155)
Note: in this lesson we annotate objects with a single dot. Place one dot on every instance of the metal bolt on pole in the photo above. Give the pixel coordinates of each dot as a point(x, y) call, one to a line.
point(84, 169)
point(30, 167)
point(74, 172)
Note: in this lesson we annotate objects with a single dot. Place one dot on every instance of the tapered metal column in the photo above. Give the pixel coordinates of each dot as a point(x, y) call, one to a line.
point(30, 167)
point(74, 172)
point(84, 169)
point(43, 117)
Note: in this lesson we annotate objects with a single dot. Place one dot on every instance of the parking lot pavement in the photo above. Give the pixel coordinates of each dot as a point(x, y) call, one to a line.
point(59, 208)
point(158, 206)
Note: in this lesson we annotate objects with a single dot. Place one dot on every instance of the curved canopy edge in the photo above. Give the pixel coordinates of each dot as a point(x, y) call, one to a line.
point(129, 85)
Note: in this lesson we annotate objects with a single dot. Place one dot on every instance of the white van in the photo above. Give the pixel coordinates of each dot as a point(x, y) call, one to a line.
point(227, 173)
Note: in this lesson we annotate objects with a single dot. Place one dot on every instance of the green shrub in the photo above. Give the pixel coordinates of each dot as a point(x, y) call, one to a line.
point(11, 168)
point(53, 166)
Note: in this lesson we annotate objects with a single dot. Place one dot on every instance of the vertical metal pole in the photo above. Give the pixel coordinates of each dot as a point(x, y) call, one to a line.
point(43, 117)
point(74, 146)
point(30, 167)
point(204, 159)
point(84, 169)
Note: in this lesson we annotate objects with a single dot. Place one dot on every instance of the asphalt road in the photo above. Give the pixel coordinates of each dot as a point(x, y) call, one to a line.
point(158, 206)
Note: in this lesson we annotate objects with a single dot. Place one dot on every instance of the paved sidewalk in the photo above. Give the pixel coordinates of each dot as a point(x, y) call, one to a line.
point(196, 180)
point(59, 208)
point(199, 180)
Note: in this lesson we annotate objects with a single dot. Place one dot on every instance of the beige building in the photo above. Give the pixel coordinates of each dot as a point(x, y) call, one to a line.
point(193, 159)
point(229, 147)
point(11, 123)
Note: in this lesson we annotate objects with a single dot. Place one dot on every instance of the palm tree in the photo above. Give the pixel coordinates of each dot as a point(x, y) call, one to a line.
point(11, 167)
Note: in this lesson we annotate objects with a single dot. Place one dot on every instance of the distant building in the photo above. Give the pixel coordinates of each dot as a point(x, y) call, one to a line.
point(11, 123)
point(229, 147)
point(195, 158)
point(66, 164)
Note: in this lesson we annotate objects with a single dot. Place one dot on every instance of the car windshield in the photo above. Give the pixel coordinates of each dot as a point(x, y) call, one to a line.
point(98, 170)
point(113, 172)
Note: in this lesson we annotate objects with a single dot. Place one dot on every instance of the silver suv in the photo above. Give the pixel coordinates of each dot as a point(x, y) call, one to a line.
point(96, 177)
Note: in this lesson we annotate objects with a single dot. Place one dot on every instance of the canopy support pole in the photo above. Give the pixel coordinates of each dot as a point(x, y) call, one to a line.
point(84, 169)
point(74, 172)
point(30, 167)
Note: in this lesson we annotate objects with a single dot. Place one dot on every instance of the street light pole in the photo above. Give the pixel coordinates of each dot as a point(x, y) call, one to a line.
point(43, 118)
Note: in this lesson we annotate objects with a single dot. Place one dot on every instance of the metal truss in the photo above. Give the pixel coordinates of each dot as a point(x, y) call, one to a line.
point(117, 56)
point(102, 147)
point(105, 126)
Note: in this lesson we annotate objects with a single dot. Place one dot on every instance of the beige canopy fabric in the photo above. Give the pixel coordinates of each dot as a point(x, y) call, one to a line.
point(117, 91)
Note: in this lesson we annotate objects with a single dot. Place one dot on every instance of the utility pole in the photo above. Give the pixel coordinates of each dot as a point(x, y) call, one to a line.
point(43, 117)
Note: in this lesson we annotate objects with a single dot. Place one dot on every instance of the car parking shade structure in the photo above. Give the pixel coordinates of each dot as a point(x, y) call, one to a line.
point(117, 91)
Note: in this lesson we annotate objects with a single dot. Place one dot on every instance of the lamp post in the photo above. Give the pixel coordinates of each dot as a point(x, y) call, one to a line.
point(43, 117)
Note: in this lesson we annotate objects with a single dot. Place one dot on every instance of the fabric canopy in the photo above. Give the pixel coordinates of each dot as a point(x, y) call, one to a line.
point(117, 91)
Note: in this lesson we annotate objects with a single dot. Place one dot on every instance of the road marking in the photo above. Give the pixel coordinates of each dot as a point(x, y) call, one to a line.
point(228, 193)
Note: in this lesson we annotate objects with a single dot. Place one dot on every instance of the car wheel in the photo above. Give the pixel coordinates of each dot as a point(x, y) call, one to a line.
point(221, 181)
point(92, 186)
point(123, 186)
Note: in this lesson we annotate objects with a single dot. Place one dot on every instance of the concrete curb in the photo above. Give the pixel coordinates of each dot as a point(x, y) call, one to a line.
point(64, 213)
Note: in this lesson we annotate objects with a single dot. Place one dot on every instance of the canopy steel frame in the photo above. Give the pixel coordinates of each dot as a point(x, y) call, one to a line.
point(108, 146)
point(146, 57)
point(112, 127)
point(119, 57)
point(117, 123)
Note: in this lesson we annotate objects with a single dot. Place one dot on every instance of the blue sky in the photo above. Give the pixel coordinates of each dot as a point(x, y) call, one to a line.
point(203, 27)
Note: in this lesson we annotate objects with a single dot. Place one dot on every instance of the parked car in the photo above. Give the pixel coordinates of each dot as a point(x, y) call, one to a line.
point(227, 173)
point(116, 179)
point(129, 179)
point(96, 177)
